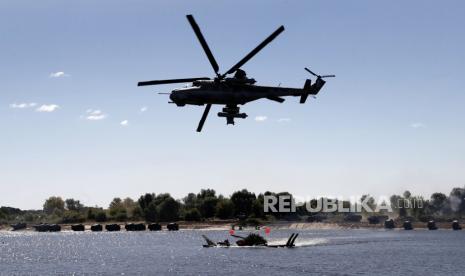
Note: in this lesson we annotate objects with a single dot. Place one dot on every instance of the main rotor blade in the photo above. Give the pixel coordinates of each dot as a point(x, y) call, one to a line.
point(156, 82)
point(328, 76)
point(255, 51)
point(204, 117)
point(308, 70)
point(204, 44)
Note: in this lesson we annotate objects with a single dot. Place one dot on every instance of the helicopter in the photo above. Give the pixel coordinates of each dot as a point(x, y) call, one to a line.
point(251, 239)
point(235, 90)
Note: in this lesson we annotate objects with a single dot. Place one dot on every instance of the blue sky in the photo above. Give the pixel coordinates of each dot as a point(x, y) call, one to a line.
point(392, 120)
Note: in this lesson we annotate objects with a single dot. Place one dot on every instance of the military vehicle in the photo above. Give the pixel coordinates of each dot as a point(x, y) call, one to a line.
point(18, 226)
point(408, 225)
point(389, 224)
point(251, 240)
point(135, 227)
point(78, 227)
point(154, 227)
point(232, 91)
point(172, 226)
point(431, 225)
point(96, 228)
point(47, 227)
point(456, 225)
point(113, 227)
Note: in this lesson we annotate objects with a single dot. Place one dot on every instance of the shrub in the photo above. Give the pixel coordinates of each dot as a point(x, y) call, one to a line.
point(192, 215)
point(225, 209)
point(101, 216)
point(121, 215)
point(72, 217)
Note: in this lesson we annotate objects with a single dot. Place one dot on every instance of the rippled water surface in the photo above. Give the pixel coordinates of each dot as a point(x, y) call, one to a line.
point(333, 252)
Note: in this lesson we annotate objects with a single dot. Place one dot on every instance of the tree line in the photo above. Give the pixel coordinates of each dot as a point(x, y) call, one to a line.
point(207, 205)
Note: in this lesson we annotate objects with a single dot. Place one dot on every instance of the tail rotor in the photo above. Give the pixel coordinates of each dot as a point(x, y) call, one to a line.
point(316, 87)
point(319, 76)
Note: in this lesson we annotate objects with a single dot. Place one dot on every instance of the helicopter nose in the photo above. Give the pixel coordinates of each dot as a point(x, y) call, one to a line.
point(177, 97)
point(173, 96)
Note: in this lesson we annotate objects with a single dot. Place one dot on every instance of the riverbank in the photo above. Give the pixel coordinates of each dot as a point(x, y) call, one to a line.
point(277, 225)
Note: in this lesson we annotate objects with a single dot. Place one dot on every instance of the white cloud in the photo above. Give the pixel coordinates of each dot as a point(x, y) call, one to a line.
point(95, 115)
point(260, 118)
point(59, 74)
point(417, 125)
point(284, 120)
point(47, 108)
point(143, 109)
point(124, 123)
point(22, 105)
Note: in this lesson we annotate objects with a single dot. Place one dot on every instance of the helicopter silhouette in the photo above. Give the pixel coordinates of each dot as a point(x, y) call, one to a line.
point(235, 90)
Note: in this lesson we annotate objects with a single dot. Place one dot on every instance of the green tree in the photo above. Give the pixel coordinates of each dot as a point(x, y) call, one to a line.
point(208, 206)
point(90, 214)
point(243, 201)
point(225, 209)
point(73, 205)
point(370, 202)
point(101, 216)
point(190, 201)
point(30, 217)
point(122, 215)
point(10, 211)
point(137, 213)
point(257, 208)
point(192, 215)
point(457, 200)
point(116, 206)
point(204, 193)
point(160, 198)
point(168, 210)
point(130, 205)
point(397, 205)
point(150, 213)
point(417, 209)
point(145, 200)
point(437, 202)
point(72, 217)
point(53, 205)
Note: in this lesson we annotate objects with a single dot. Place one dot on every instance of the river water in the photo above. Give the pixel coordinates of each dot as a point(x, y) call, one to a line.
point(323, 251)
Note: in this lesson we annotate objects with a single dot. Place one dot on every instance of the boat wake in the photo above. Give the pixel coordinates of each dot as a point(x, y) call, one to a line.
point(301, 242)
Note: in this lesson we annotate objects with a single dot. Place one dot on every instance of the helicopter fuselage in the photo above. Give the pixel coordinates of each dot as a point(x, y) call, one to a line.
point(228, 93)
